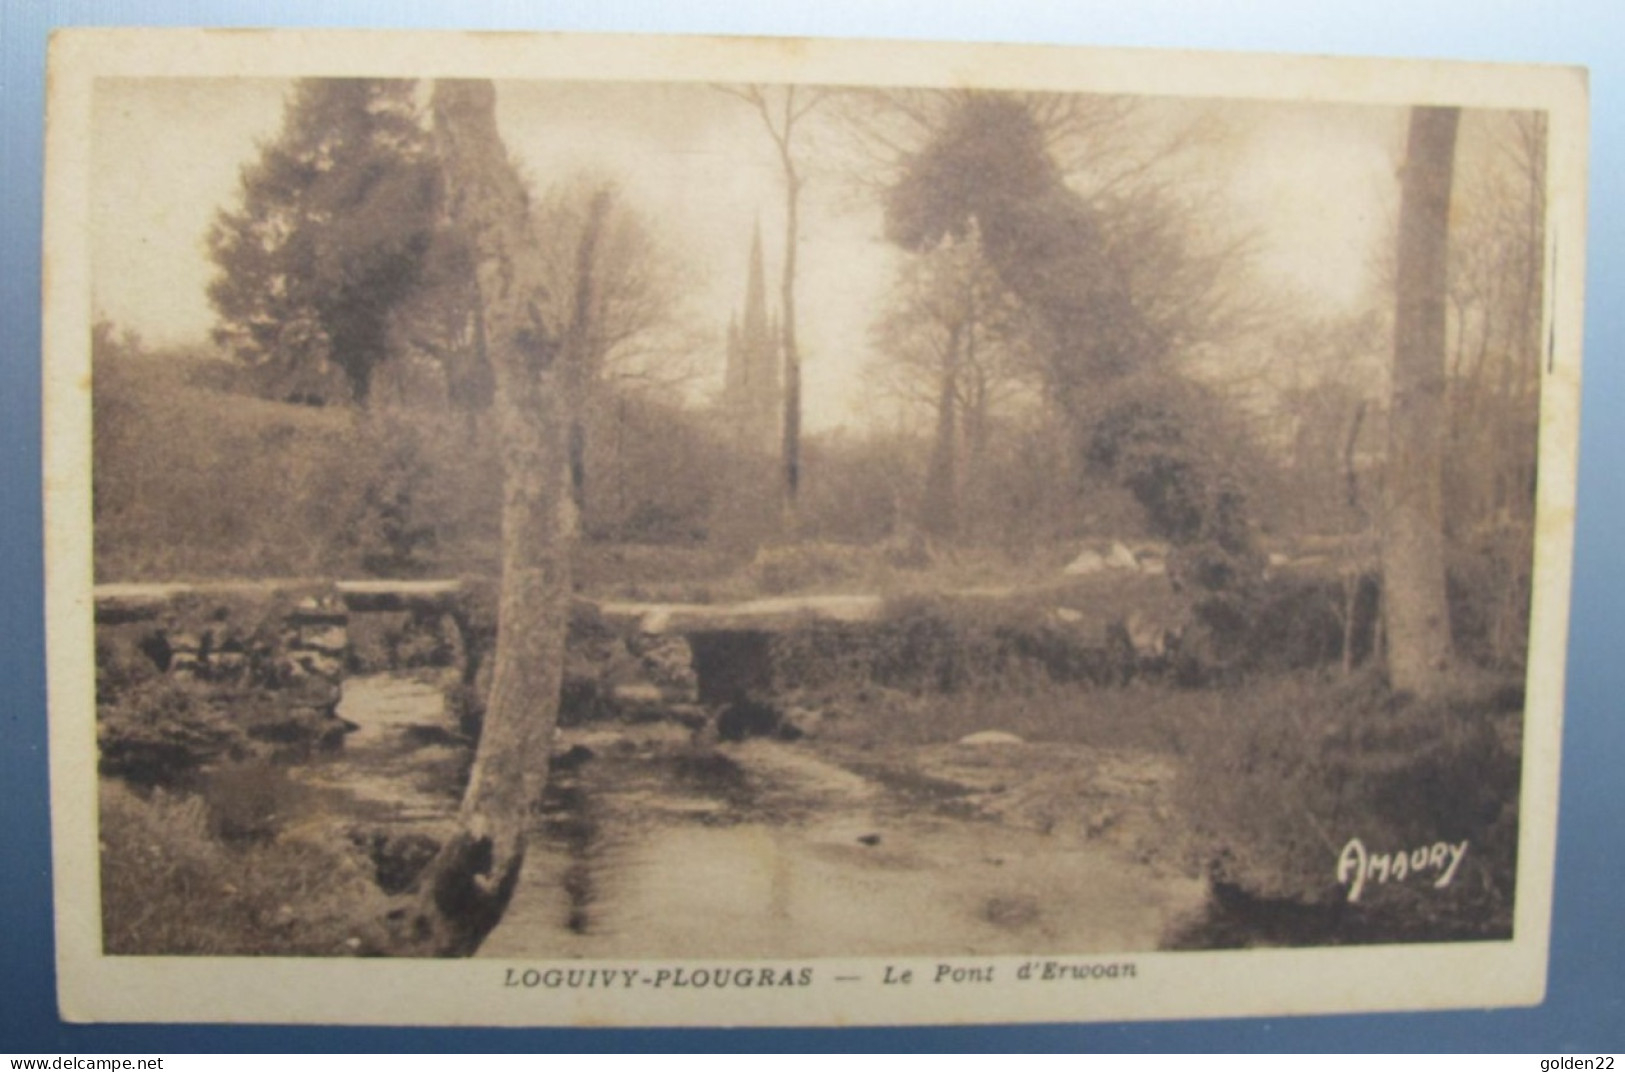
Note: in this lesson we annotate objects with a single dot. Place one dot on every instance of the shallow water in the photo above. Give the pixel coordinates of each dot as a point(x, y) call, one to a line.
point(401, 764)
point(653, 846)
point(776, 852)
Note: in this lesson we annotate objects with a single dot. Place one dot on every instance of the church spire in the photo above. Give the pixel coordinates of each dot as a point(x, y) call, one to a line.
point(752, 379)
point(734, 381)
point(753, 332)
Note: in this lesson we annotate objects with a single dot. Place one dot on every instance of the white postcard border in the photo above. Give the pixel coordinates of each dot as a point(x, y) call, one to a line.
point(1162, 985)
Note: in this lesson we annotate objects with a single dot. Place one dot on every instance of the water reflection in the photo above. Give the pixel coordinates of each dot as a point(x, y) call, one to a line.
point(651, 845)
point(768, 851)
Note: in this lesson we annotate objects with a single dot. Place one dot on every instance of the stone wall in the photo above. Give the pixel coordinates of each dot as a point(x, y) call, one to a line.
point(188, 676)
point(230, 641)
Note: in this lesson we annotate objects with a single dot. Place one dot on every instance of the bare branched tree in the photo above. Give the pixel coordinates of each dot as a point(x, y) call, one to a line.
point(953, 342)
point(638, 333)
point(782, 111)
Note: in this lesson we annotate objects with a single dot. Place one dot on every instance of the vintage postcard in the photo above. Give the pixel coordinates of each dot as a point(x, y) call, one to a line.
point(554, 530)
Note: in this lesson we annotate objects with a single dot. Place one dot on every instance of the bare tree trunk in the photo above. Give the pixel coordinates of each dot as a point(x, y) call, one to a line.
point(1415, 603)
point(939, 511)
point(579, 360)
point(787, 325)
point(467, 886)
point(780, 119)
point(1354, 569)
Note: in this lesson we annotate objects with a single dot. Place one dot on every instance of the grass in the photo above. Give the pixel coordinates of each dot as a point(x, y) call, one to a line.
point(1277, 772)
point(196, 482)
point(182, 876)
point(1292, 768)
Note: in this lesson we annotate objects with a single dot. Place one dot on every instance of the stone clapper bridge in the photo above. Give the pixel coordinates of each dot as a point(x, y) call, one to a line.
point(723, 650)
point(727, 646)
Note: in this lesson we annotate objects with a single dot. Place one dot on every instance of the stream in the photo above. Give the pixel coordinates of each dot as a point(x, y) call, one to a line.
point(653, 845)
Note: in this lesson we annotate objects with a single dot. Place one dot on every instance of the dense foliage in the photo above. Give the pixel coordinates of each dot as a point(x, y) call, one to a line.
point(334, 222)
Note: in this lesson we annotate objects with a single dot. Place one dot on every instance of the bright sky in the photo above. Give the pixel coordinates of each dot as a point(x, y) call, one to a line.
point(1316, 183)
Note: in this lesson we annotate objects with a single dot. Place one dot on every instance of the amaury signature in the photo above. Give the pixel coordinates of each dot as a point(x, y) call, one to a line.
point(1356, 866)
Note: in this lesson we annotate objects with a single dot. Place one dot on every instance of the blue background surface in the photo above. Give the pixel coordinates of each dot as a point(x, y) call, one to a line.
point(1585, 1007)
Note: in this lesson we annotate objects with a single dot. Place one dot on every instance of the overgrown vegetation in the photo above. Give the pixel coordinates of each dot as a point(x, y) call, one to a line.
point(208, 845)
point(228, 871)
point(1279, 776)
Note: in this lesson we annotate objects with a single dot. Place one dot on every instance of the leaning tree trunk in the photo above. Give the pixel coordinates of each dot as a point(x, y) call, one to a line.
point(1415, 604)
point(467, 886)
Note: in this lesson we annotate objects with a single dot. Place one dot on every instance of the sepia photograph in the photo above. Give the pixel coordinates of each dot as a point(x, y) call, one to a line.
point(628, 530)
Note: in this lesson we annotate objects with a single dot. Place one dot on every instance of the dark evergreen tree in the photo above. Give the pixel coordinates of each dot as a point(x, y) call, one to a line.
point(330, 235)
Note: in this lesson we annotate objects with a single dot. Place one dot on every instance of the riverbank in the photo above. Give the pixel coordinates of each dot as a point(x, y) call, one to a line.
point(1059, 820)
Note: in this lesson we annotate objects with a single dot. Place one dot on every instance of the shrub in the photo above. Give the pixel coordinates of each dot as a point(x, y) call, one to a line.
point(161, 732)
point(169, 887)
point(1290, 621)
point(1489, 592)
point(391, 534)
point(1280, 775)
point(947, 645)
